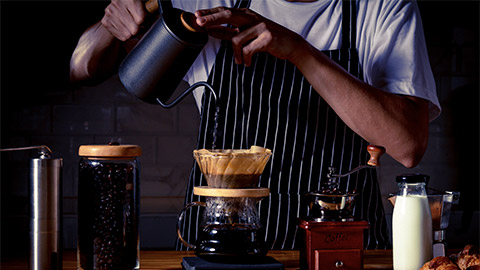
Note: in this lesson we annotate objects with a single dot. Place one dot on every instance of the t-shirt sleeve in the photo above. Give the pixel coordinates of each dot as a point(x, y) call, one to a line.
point(396, 58)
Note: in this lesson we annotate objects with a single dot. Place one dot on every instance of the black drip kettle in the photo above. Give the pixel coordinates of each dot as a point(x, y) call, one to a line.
point(155, 67)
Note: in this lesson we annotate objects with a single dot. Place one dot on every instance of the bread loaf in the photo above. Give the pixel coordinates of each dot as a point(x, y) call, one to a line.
point(467, 259)
point(439, 263)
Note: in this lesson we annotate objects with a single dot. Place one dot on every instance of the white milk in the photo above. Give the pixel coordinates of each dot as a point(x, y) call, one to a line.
point(412, 232)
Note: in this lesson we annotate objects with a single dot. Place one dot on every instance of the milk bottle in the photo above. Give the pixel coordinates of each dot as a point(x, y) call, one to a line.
point(411, 224)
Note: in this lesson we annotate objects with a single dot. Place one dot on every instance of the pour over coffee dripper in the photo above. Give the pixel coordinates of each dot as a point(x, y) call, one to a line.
point(232, 168)
point(230, 230)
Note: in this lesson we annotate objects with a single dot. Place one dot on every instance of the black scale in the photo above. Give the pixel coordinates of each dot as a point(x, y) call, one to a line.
point(197, 263)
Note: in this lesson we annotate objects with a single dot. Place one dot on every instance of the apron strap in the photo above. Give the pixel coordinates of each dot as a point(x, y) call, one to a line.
point(349, 24)
point(238, 4)
point(242, 3)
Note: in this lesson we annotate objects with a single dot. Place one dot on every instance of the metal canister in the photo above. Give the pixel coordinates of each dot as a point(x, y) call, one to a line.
point(108, 207)
point(45, 188)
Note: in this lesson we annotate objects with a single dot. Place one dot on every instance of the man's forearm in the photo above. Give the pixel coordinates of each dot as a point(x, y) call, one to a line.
point(96, 55)
point(399, 123)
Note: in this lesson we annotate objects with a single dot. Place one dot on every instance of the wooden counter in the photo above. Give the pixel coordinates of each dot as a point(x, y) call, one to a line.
point(373, 259)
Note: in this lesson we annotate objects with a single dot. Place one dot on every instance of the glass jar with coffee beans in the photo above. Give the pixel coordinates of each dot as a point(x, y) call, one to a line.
point(108, 207)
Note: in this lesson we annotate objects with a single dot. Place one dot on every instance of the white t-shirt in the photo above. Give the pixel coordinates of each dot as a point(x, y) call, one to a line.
point(390, 41)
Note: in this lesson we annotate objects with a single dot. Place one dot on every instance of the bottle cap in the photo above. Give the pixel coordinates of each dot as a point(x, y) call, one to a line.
point(413, 178)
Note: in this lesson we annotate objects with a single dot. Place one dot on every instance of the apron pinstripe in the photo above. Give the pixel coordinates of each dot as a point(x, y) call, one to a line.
point(271, 104)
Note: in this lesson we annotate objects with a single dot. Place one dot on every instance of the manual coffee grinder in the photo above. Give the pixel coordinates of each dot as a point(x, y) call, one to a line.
point(332, 237)
point(230, 233)
point(45, 192)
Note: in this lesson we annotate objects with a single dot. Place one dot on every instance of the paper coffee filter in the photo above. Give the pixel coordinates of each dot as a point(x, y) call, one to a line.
point(232, 168)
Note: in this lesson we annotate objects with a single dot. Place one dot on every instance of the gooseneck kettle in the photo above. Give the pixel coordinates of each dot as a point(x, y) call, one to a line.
point(157, 64)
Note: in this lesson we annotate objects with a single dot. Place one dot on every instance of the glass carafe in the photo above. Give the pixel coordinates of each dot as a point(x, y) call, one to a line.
point(230, 229)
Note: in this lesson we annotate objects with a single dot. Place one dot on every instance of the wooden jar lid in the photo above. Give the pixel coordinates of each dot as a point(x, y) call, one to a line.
point(110, 151)
point(231, 192)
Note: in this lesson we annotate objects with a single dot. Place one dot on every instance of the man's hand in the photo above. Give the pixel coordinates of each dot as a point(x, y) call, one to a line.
point(123, 18)
point(251, 33)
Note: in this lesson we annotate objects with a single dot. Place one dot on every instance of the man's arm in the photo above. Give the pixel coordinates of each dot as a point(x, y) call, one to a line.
point(101, 47)
point(96, 54)
point(399, 123)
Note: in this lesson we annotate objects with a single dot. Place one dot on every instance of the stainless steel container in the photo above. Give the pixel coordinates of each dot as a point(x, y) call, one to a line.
point(45, 212)
point(440, 207)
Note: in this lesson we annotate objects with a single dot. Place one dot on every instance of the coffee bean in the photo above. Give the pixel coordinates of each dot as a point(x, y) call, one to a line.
point(108, 223)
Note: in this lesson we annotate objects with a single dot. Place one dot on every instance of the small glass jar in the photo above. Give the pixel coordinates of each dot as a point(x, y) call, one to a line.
point(108, 207)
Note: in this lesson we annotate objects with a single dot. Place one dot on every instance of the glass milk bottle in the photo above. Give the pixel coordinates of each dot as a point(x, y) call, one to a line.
point(412, 223)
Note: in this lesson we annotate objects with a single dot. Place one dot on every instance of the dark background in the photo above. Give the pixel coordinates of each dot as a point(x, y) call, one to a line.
point(40, 106)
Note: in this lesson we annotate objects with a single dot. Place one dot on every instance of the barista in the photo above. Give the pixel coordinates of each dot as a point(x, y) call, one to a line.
point(314, 86)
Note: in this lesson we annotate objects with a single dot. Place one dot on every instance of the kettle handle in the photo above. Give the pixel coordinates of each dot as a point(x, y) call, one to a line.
point(154, 6)
point(180, 219)
point(186, 92)
point(187, 18)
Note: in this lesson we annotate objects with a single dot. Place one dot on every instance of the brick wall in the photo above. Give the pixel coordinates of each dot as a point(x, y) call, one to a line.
point(39, 107)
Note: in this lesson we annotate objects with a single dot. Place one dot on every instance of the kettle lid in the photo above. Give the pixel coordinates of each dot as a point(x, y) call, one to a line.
point(181, 24)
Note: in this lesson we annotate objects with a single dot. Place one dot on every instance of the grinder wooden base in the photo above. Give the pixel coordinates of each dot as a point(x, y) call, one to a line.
point(332, 244)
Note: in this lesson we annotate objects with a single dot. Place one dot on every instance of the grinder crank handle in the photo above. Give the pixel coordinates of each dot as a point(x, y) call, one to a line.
point(375, 152)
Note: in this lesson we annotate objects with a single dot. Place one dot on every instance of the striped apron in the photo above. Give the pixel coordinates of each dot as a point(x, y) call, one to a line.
point(271, 104)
